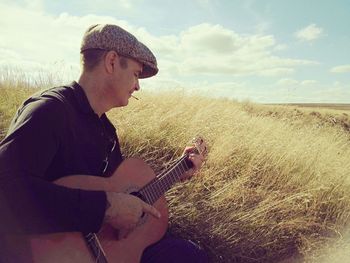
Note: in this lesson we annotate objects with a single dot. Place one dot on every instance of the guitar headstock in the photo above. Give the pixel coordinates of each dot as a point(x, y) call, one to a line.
point(200, 145)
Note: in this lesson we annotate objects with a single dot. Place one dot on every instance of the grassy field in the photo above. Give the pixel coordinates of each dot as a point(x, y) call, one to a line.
point(275, 186)
point(341, 106)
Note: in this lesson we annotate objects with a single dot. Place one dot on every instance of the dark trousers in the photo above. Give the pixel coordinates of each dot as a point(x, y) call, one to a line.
point(171, 250)
point(167, 250)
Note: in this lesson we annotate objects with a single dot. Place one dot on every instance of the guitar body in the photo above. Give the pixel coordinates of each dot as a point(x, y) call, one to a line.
point(130, 176)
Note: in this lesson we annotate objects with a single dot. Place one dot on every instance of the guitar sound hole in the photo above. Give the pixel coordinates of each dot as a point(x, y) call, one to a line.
point(139, 195)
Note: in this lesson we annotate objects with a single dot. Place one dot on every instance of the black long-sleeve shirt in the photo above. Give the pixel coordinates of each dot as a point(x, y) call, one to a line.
point(55, 133)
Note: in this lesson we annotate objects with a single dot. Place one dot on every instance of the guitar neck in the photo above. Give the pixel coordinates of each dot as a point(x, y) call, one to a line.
point(162, 183)
point(95, 247)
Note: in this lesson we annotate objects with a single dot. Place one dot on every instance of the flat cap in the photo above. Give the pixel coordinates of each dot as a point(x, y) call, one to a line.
point(113, 37)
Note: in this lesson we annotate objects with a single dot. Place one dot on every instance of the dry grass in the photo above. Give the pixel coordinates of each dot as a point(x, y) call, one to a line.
point(275, 184)
point(10, 99)
point(270, 188)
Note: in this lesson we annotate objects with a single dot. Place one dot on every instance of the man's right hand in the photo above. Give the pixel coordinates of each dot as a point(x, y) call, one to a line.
point(125, 210)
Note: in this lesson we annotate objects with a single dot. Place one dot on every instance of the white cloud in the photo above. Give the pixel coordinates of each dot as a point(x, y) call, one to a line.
point(341, 69)
point(308, 82)
point(281, 47)
point(214, 39)
point(109, 6)
point(275, 72)
point(287, 82)
point(338, 93)
point(237, 90)
point(6, 54)
point(215, 50)
point(205, 4)
point(37, 5)
point(309, 91)
point(309, 33)
point(126, 3)
point(44, 43)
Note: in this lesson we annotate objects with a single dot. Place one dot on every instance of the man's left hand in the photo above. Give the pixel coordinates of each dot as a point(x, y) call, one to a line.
point(197, 160)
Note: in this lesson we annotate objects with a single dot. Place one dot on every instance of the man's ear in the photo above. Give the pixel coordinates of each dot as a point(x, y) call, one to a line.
point(111, 61)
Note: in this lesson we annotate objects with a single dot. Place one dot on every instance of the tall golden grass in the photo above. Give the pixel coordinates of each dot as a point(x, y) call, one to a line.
point(274, 186)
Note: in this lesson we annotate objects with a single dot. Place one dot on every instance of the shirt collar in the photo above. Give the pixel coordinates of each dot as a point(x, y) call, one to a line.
point(82, 100)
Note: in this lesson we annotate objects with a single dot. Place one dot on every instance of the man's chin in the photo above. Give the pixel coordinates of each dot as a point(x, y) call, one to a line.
point(125, 103)
point(122, 104)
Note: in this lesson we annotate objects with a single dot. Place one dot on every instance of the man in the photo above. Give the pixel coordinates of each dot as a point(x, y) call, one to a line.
point(64, 131)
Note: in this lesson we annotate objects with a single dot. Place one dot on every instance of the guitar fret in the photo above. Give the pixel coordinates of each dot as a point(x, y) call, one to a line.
point(152, 193)
point(167, 183)
point(177, 173)
point(185, 166)
point(161, 187)
point(148, 197)
point(163, 182)
point(156, 191)
point(177, 170)
point(182, 166)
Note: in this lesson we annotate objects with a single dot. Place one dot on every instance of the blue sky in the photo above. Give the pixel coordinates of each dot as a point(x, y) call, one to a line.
point(263, 51)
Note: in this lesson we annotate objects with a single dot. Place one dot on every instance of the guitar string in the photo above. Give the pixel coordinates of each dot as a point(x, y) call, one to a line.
point(153, 190)
point(168, 179)
point(174, 175)
point(100, 250)
point(93, 242)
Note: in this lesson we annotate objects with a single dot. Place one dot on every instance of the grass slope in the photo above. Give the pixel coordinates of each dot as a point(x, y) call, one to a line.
point(275, 184)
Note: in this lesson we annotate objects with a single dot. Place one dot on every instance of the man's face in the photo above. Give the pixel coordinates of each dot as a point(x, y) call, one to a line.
point(125, 81)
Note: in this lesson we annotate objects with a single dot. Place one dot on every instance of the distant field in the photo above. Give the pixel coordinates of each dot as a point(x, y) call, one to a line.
point(341, 106)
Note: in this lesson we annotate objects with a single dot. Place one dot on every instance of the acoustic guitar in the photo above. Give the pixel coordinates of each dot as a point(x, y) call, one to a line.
point(135, 177)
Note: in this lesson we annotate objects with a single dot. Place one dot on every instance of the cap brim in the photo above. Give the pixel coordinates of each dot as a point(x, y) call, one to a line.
point(148, 71)
point(148, 60)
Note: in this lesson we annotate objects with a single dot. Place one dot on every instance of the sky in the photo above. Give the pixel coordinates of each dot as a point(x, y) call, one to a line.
point(266, 51)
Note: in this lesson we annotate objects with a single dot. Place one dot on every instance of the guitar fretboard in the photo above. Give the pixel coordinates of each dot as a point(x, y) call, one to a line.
point(163, 182)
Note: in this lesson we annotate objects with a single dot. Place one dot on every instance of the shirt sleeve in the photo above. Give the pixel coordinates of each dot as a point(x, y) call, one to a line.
point(30, 204)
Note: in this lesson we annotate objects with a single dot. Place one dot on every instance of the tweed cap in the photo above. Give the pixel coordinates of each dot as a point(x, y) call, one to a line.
point(113, 37)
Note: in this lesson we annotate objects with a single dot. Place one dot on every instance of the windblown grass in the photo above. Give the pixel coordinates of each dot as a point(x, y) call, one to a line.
point(275, 183)
point(269, 190)
point(10, 99)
